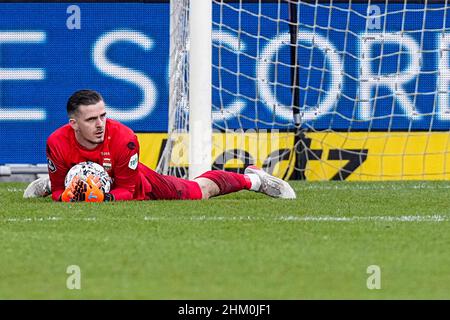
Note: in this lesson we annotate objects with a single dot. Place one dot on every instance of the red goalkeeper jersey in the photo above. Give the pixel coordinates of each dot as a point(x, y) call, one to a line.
point(118, 154)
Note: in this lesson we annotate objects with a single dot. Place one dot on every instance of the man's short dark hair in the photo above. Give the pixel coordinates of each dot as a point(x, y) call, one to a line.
point(83, 97)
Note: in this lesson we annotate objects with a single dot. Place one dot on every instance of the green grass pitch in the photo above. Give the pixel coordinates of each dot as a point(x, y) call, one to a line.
point(241, 246)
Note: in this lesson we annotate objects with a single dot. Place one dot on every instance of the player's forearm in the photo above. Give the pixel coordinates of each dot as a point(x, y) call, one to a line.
point(56, 195)
point(121, 194)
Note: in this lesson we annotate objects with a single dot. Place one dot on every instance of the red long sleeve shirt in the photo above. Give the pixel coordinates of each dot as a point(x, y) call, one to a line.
point(118, 154)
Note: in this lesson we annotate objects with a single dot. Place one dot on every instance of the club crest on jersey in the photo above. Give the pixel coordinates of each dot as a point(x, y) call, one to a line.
point(51, 165)
point(133, 162)
point(107, 164)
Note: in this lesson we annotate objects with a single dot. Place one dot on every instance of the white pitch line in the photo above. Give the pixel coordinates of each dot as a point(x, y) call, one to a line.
point(427, 218)
point(14, 190)
point(351, 186)
point(46, 219)
point(409, 218)
point(290, 218)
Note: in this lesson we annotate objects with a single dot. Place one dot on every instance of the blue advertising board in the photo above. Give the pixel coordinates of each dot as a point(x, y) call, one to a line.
point(390, 71)
point(119, 49)
point(122, 50)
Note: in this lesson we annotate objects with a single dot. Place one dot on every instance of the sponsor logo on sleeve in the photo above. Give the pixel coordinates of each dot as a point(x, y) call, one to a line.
point(51, 165)
point(131, 145)
point(133, 162)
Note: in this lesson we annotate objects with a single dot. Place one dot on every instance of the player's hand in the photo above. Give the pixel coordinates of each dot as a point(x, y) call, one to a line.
point(69, 194)
point(89, 190)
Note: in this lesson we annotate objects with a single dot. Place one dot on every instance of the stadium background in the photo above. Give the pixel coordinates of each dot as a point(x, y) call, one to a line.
point(241, 246)
point(122, 50)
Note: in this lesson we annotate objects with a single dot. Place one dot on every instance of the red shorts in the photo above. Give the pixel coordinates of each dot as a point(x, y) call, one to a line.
point(155, 186)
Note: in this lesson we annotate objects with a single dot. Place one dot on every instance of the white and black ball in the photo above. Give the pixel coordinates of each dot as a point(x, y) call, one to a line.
point(84, 169)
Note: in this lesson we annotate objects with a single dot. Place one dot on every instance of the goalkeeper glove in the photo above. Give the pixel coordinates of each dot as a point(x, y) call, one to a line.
point(68, 194)
point(89, 190)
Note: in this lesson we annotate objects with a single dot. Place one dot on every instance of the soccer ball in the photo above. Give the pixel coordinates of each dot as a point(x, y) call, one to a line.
point(84, 169)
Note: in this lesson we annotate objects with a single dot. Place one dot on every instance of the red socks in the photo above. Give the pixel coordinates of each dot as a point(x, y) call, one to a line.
point(228, 181)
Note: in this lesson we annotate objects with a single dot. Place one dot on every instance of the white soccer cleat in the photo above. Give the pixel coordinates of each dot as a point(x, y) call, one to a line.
point(272, 186)
point(38, 188)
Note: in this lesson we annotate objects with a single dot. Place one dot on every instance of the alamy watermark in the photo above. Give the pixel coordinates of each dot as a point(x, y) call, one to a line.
point(74, 19)
point(374, 17)
point(73, 281)
point(374, 280)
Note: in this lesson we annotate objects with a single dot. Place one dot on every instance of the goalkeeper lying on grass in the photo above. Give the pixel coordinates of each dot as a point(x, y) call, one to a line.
point(90, 136)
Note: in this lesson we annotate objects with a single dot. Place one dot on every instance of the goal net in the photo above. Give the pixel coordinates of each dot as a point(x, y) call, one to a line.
point(319, 90)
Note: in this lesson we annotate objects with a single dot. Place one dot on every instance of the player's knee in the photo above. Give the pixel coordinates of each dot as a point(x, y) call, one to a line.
point(208, 187)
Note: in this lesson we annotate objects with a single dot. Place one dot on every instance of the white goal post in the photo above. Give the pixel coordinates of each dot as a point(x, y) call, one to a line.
point(190, 85)
point(200, 121)
point(310, 89)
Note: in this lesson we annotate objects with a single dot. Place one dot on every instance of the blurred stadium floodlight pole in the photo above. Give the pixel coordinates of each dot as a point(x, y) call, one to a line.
point(200, 61)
